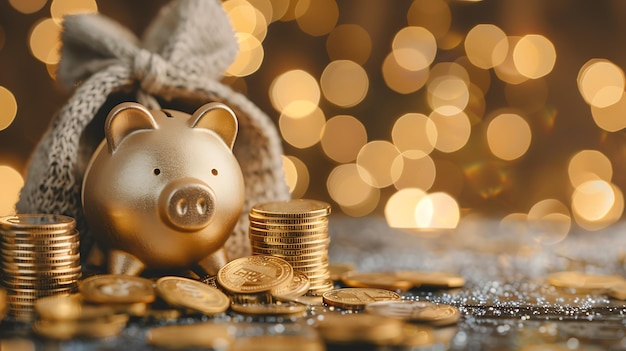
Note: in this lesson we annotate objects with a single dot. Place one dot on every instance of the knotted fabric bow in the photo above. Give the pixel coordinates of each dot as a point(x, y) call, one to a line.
point(183, 54)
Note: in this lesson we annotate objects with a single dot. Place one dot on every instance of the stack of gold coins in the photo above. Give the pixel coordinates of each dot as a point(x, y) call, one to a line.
point(296, 231)
point(39, 257)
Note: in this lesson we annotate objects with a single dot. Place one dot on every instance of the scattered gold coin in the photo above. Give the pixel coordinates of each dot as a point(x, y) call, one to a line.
point(192, 294)
point(416, 311)
point(278, 343)
point(618, 290)
point(298, 286)
point(254, 274)
point(435, 279)
point(271, 309)
point(114, 288)
point(96, 328)
point(357, 298)
point(381, 280)
point(580, 280)
point(360, 328)
point(201, 335)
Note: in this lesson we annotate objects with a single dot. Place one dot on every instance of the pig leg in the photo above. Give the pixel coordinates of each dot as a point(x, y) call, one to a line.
point(121, 262)
point(213, 262)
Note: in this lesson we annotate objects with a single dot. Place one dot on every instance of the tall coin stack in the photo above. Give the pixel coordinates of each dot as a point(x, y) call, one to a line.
point(296, 231)
point(39, 257)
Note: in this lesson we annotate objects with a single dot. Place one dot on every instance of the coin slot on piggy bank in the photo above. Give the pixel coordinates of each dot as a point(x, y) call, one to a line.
point(163, 190)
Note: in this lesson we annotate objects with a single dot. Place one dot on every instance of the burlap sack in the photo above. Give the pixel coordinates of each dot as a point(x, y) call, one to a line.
point(178, 65)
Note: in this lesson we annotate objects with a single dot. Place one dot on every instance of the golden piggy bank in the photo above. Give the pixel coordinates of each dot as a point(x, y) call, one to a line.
point(163, 190)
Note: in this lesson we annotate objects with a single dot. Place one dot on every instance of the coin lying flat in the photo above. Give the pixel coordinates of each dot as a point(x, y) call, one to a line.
point(192, 294)
point(382, 280)
point(201, 335)
point(298, 286)
point(580, 280)
point(254, 274)
point(416, 311)
point(360, 328)
point(357, 298)
point(432, 279)
point(278, 343)
point(271, 309)
point(299, 208)
point(114, 288)
point(96, 328)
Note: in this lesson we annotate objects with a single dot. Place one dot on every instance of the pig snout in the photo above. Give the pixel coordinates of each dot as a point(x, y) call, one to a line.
point(187, 204)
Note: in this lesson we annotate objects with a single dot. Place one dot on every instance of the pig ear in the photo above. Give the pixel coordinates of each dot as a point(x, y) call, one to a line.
point(218, 118)
point(123, 120)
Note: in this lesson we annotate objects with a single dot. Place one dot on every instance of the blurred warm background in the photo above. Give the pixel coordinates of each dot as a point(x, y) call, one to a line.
point(424, 111)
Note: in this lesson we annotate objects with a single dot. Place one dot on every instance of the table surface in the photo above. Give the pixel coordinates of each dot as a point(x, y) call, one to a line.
point(506, 303)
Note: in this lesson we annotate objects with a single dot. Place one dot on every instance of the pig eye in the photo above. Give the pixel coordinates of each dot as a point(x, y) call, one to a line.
point(156, 171)
point(214, 171)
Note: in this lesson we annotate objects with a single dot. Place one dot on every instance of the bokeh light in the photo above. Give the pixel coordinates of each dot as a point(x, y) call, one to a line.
point(401, 80)
point(246, 18)
point(507, 70)
point(611, 118)
point(29, 6)
point(549, 221)
point(534, 56)
point(400, 209)
point(508, 136)
point(9, 108)
point(349, 42)
point(297, 89)
point(601, 83)
point(414, 134)
point(437, 211)
point(414, 48)
point(433, 15)
point(44, 40)
point(344, 83)
point(11, 182)
point(587, 165)
point(342, 138)
point(296, 175)
point(597, 204)
point(448, 95)
point(61, 8)
point(378, 163)
point(453, 131)
point(348, 189)
point(302, 132)
point(249, 57)
point(316, 17)
point(486, 46)
point(416, 172)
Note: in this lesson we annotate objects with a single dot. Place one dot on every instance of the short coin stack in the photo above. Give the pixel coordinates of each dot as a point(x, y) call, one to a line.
point(296, 231)
point(39, 257)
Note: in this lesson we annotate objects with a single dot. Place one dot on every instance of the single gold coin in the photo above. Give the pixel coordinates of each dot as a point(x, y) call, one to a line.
point(271, 309)
point(117, 288)
point(254, 274)
point(95, 328)
point(298, 208)
point(357, 298)
point(382, 280)
point(298, 286)
point(192, 294)
point(360, 328)
point(580, 280)
point(618, 291)
point(416, 311)
point(282, 342)
point(182, 337)
point(432, 279)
